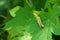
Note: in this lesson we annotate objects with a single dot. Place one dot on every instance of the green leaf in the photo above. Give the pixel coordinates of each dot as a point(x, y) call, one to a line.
point(14, 10)
point(24, 25)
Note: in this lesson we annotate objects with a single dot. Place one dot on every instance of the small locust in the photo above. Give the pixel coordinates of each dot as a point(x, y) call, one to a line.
point(38, 19)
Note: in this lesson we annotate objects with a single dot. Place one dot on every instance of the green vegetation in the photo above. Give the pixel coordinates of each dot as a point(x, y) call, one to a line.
point(29, 19)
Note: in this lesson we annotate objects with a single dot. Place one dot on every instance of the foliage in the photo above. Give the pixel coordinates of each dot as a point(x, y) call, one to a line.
point(24, 26)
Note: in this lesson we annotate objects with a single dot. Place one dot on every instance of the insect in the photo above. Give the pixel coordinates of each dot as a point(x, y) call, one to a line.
point(38, 19)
